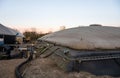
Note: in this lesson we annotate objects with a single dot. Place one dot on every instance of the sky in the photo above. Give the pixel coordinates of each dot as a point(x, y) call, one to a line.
point(49, 15)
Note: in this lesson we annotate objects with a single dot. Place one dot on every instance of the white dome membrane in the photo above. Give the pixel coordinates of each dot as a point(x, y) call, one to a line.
point(91, 38)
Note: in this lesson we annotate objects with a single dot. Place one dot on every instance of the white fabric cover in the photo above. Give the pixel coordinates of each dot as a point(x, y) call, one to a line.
point(90, 38)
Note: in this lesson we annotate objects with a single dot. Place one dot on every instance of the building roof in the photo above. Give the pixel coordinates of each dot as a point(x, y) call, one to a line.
point(8, 31)
point(5, 31)
point(90, 37)
point(17, 33)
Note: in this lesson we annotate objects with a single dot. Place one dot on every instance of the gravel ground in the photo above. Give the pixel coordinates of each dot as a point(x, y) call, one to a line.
point(7, 67)
point(46, 68)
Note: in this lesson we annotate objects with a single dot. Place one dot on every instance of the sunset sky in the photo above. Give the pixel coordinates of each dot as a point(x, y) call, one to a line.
point(46, 15)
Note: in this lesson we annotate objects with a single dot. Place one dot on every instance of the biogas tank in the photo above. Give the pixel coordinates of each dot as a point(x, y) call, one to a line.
point(95, 49)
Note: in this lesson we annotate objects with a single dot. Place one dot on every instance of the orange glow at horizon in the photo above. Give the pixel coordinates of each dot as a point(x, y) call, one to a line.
point(46, 29)
point(38, 30)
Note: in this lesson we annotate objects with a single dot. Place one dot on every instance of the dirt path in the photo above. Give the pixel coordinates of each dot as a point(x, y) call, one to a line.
point(7, 67)
point(46, 68)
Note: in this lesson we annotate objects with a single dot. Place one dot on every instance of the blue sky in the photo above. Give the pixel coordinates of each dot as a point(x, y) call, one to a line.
point(51, 14)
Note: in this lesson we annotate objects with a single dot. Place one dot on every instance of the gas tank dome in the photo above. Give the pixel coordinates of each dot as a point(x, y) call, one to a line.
point(88, 37)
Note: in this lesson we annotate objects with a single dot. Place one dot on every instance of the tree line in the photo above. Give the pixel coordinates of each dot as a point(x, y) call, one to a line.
point(32, 35)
